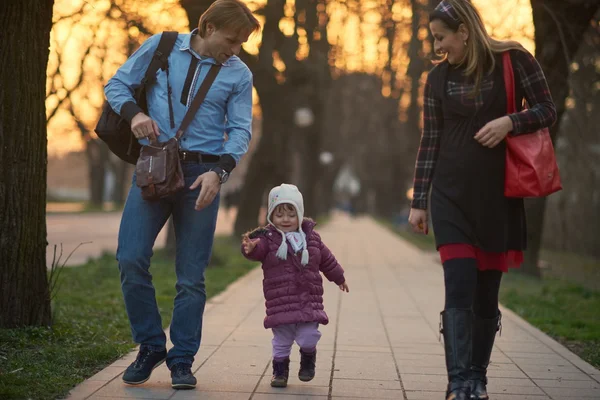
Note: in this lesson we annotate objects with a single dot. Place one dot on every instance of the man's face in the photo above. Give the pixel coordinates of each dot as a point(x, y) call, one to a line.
point(224, 43)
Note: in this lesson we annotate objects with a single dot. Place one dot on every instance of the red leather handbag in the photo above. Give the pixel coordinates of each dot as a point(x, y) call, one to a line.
point(531, 168)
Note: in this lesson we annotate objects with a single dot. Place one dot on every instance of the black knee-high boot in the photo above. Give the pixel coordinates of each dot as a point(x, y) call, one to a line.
point(457, 330)
point(484, 334)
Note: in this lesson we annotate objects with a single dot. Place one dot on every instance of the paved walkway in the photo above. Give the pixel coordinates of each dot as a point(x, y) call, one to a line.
point(381, 343)
point(96, 233)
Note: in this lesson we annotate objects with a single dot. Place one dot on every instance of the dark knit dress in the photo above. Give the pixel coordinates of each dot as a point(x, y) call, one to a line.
point(468, 205)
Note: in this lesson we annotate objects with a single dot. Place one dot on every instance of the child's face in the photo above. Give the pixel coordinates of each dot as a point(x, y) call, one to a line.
point(285, 218)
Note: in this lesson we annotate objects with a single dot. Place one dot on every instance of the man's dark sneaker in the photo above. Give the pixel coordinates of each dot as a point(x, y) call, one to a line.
point(281, 372)
point(141, 369)
point(307, 365)
point(182, 377)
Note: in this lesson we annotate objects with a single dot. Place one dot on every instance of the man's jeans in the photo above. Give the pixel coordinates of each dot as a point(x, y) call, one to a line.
point(194, 230)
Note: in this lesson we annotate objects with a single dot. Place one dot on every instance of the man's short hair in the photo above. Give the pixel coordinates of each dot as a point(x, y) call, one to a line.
point(231, 15)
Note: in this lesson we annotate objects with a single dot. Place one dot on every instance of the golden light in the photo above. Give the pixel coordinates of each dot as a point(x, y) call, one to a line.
point(286, 25)
point(355, 31)
point(278, 62)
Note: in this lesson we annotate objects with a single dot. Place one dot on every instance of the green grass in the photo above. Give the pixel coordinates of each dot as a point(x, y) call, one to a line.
point(90, 327)
point(565, 304)
point(572, 267)
point(568, 312)
point(323, 220)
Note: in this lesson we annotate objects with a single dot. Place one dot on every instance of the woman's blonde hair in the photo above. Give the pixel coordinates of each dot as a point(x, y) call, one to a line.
point(233, 15)
point(481, 49)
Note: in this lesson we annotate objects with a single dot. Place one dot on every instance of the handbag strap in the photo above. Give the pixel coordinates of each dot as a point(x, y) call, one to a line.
point(199, 98)
point(509, 83)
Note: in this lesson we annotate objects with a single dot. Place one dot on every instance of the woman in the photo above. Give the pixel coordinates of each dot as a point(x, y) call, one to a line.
point(479, 232)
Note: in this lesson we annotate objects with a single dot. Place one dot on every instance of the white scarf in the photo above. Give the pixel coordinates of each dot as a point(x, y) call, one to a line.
point(296, 240)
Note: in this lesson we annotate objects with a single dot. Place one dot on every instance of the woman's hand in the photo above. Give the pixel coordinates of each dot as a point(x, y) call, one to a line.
point(494, 131)
point(344, 287)
point(418, 220)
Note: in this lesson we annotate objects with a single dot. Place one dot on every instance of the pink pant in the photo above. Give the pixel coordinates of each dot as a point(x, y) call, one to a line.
point(306, 334)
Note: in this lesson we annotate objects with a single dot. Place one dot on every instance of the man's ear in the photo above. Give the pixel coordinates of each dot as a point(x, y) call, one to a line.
point(210, 29)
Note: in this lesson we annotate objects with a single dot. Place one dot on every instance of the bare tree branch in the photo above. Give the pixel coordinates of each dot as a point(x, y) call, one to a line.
point(79, 13)
point(79, 81)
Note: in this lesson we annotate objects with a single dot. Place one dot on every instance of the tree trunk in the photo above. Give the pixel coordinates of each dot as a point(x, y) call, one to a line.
point(97, 154)
point(265, 170)
point(324, 190)
point(416, 68)
point(315, 89)
point(194, 10)
point(25, 31)
point(559, 29)
point(572, 219)
point(269, 163)
point(120, 169)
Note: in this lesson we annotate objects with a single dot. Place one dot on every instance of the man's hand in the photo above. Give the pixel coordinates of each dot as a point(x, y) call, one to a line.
point(494, 131)
point(143, 126)
point(210, 186)
point(249, 244)
point(418, 220)
point(344, 287)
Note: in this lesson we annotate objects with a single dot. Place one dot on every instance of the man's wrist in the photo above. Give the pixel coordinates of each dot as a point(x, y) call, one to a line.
point(222, 175)
point(130, 110)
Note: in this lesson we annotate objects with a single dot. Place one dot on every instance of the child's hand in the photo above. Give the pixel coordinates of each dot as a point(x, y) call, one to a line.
point(249, 244)
point(344, 287)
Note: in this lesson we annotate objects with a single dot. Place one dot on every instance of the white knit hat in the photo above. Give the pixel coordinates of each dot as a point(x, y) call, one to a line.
point(288, 194)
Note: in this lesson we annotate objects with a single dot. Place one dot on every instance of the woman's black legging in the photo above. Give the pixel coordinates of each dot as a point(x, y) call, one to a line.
point(468, 287)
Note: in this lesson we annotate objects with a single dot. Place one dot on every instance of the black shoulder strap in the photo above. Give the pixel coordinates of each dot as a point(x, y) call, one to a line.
point(161, 56)
point(160, 60)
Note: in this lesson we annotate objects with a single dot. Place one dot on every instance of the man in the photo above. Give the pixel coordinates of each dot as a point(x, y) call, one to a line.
point(207, 159)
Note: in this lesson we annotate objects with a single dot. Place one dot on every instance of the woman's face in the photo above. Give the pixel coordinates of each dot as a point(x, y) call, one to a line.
point(448, 42)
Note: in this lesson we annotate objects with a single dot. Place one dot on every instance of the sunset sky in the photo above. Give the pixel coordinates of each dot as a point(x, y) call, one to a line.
point(359, 42)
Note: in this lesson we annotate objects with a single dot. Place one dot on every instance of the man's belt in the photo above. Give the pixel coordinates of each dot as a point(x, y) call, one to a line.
point(200, 158)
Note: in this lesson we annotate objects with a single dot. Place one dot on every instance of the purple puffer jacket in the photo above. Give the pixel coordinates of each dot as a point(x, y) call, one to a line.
point(294, 292)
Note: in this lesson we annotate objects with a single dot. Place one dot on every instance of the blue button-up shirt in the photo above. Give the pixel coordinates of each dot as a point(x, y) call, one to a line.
point(227, 107)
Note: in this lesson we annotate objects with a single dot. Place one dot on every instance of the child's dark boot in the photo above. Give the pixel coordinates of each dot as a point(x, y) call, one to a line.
point(307, 365)
point(281, 372)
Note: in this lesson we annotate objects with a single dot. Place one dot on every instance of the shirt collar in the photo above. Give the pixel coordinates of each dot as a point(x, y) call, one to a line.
point(186, 46)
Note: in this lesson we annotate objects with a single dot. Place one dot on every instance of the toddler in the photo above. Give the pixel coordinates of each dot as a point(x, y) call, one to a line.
point(292, 256)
